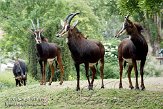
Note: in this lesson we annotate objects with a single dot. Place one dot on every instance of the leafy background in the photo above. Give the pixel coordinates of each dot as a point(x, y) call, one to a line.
point(99, 20)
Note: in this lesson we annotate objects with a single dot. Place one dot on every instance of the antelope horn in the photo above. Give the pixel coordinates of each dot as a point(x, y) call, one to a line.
point(33, 25)
point(68, 17)
point(38, 23)
point(71, 17)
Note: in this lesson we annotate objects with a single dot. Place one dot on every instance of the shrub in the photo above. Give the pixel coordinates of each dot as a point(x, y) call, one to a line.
point(111, 68)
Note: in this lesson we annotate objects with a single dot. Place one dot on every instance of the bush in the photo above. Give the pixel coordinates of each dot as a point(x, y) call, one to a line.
point(111, 68)
point(152, 67)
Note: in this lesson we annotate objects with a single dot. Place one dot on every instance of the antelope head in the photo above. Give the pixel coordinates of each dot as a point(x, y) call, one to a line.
point(127, 25)
point(36, 32)
point(66, 24)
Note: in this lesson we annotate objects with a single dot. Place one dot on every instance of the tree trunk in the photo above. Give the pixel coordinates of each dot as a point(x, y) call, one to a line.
point(147, 33)
point(153, 33)
point(158, 40)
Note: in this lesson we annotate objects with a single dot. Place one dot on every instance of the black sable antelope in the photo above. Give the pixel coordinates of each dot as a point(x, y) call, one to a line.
point(47, 52)
point(20, 72)
point(131, 50)
point(83, 51)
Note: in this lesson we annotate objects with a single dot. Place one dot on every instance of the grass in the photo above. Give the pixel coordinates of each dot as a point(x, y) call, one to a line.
point(47, 97)
point(7, 80)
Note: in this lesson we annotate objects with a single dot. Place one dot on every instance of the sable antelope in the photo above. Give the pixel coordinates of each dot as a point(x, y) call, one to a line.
point(131, 50)
point(83, 50)
point(20, 72)
point(47, 52)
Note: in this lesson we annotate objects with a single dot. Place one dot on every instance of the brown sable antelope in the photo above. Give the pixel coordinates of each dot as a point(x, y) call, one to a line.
point(131, 50)
point(47, 52)
point(83, 51)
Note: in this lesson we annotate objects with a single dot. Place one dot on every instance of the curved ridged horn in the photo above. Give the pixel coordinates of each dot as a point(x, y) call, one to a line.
point(33, 25)
point(68, 16)
point(38, 24)
point(71, 17)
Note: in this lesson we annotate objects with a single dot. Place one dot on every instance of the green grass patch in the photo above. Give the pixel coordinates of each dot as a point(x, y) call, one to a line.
point(7, 80)
point(47, 97)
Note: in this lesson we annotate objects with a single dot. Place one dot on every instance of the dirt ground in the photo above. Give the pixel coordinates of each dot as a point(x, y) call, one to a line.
point(151, 84)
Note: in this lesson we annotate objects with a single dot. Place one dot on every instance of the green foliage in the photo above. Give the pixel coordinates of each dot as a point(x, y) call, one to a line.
point(107, 12)
point(16, 16)
point(99, 19)
point(150, 6)
point(137, 6)
point(104, 8)
point(161, 44)
point(153, 30)
point(128, 6)
point(152, 67)
point(111, 69)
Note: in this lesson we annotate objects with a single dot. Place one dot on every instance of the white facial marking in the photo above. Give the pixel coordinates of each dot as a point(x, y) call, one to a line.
point(37, 42)
point(37, 38)
point(123, 26)
point(39, 35)
point(65, 28)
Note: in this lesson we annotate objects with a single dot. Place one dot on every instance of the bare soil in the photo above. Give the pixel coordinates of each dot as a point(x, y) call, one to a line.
point(151, 84)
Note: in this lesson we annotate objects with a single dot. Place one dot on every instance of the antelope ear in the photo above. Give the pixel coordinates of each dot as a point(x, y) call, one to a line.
point(62, 23)
point(126, 17)
point(31, 30)
point(75, 24)
point(41, 30)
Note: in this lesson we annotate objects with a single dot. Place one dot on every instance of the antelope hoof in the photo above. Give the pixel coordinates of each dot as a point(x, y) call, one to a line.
point(90, 87)
point(77, 89)
point(102, 87)
point(61, 83)
point(142, 87)
point(131, 87)
point(137, 88)
point(120, 87)
point(50, 83)
point(41, 83)
point(44, 83)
